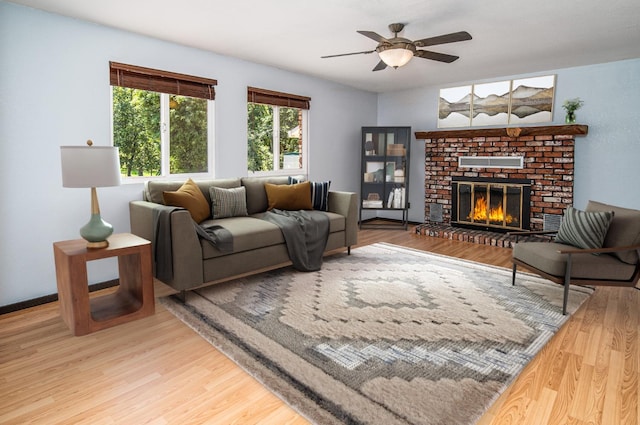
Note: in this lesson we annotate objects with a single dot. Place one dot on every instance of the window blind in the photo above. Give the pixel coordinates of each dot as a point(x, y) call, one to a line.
point(269, 97)
point(137, 77)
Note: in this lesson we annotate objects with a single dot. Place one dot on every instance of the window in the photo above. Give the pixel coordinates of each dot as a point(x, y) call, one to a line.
point(276, 132)
point(162, 121)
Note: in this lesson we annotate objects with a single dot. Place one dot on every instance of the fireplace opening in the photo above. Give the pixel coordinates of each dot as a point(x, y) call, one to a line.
point(491, 203)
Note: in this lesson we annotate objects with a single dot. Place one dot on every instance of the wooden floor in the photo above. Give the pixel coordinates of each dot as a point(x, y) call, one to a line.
point(157, 371)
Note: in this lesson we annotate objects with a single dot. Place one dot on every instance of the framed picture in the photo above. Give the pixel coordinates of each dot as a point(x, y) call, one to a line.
point(490, 104)
point(519, 101)
point(532, 100)
point(454, 107)
point(374, 172)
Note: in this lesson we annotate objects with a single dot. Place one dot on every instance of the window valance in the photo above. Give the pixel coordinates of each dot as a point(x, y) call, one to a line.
point(269, 97)
point(137, 77)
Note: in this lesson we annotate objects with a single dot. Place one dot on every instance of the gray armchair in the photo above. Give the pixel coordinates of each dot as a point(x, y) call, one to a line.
point(616, 263)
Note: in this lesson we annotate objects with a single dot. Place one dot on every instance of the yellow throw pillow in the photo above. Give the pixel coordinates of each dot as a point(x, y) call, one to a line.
point(289, 196)
point(189, 196)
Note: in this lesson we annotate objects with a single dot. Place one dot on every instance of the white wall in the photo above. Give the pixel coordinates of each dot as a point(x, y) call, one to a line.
point(607, 160)
point(54, 90)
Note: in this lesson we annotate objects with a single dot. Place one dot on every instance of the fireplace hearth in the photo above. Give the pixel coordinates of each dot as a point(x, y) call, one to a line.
point(496, 204)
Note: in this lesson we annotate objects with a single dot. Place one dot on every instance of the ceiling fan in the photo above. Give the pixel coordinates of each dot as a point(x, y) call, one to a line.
point(398, 51)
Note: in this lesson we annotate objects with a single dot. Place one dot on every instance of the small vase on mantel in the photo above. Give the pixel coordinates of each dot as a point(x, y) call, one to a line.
point(571, 106)
point(570, 118)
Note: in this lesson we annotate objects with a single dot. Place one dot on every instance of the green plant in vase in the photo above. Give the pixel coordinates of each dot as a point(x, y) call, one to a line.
point(571, 106)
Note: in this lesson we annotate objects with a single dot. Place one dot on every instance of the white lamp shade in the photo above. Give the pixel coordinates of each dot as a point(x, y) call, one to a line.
point(396, 57)
point(90, 166)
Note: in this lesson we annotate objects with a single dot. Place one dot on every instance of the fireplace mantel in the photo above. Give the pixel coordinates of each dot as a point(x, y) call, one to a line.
point(547, 130)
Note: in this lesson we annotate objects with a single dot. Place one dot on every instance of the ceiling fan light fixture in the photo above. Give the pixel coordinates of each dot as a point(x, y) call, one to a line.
point(397, 55)
point(398, 51)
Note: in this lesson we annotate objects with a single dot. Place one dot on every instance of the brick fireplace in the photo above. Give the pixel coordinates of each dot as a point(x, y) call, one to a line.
point(543, 155)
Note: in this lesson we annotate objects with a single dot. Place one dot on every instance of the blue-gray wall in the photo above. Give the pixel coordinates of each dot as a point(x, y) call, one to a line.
point(54, 90)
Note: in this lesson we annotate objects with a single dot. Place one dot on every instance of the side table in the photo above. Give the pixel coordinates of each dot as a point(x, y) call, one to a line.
point(134, 297)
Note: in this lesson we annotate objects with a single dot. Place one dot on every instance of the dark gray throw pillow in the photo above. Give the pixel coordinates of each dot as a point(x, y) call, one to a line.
point(584, 229)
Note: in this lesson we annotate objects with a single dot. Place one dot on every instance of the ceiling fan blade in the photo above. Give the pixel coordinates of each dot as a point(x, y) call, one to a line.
point(348, 54)
point(443, 39)
point(440, 57)
point(374, 36)
point(380, 66)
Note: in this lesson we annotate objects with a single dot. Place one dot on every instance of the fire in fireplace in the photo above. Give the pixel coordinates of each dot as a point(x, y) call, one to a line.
point(491, 204)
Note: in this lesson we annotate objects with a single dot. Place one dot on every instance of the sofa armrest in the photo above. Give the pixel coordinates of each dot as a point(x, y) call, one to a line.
point(346, 204)
point(186, 248)
point(610, 250)
point(548, 234)
point(141, 219)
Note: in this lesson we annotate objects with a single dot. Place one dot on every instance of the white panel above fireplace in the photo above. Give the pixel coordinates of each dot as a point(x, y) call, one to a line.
point(491, 161)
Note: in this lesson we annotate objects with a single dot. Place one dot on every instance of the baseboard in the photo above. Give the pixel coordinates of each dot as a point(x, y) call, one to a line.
point(5, 309)
point(390, 220)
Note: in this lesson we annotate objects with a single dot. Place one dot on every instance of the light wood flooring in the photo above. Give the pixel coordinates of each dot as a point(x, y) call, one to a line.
point(158, 371)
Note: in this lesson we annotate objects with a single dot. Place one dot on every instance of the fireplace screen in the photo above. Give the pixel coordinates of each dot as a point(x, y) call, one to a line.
point(499, 204)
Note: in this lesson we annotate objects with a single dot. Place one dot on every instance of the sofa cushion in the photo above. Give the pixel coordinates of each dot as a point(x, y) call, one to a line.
point(289, 196)
point(252, 233)
point(256, 195)
point(230, 202)
point(623, 231)
point(189, 196)
point(337, 222)
point(248, 233)
point(545, 256)
point(153, 188)
point(584, 229)
point(319, 193)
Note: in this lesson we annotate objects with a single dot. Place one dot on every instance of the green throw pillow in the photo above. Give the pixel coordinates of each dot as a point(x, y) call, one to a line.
point(584, 229)
point(228, 202)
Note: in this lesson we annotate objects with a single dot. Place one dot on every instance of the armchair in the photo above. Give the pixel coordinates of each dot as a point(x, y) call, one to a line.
point(616, 263)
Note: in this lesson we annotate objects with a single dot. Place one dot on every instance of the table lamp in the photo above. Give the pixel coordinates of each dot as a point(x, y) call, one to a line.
point(92, 166)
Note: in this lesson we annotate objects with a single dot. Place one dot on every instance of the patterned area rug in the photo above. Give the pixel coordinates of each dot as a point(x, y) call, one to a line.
point(386, 335)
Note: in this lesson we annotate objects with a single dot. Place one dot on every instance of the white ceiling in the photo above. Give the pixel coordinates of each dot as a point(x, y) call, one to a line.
point(509, 37)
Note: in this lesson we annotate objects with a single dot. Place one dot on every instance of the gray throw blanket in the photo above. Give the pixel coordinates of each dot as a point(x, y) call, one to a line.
point(305, 233)
point(218, 236)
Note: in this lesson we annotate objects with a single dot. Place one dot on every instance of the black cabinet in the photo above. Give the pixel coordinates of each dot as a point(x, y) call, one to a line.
point(385, 171)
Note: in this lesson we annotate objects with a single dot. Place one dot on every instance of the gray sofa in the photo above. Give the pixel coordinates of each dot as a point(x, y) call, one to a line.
point(258, 245)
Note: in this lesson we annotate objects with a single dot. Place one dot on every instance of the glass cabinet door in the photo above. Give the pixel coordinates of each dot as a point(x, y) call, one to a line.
point(385, 161)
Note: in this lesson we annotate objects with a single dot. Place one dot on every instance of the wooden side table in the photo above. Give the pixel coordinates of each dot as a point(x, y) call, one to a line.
point(134, 298)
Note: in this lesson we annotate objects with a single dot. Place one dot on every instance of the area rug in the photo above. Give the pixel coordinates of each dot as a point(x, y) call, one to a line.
point(386, 335)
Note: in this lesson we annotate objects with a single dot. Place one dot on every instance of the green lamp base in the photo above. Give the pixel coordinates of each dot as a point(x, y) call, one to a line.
point(96, 232)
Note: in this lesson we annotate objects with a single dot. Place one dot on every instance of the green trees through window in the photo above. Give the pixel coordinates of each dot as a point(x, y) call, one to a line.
point(273, 132)
point(188, 135)
point(144, 122)
point(136, 131)
point(260, 136)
